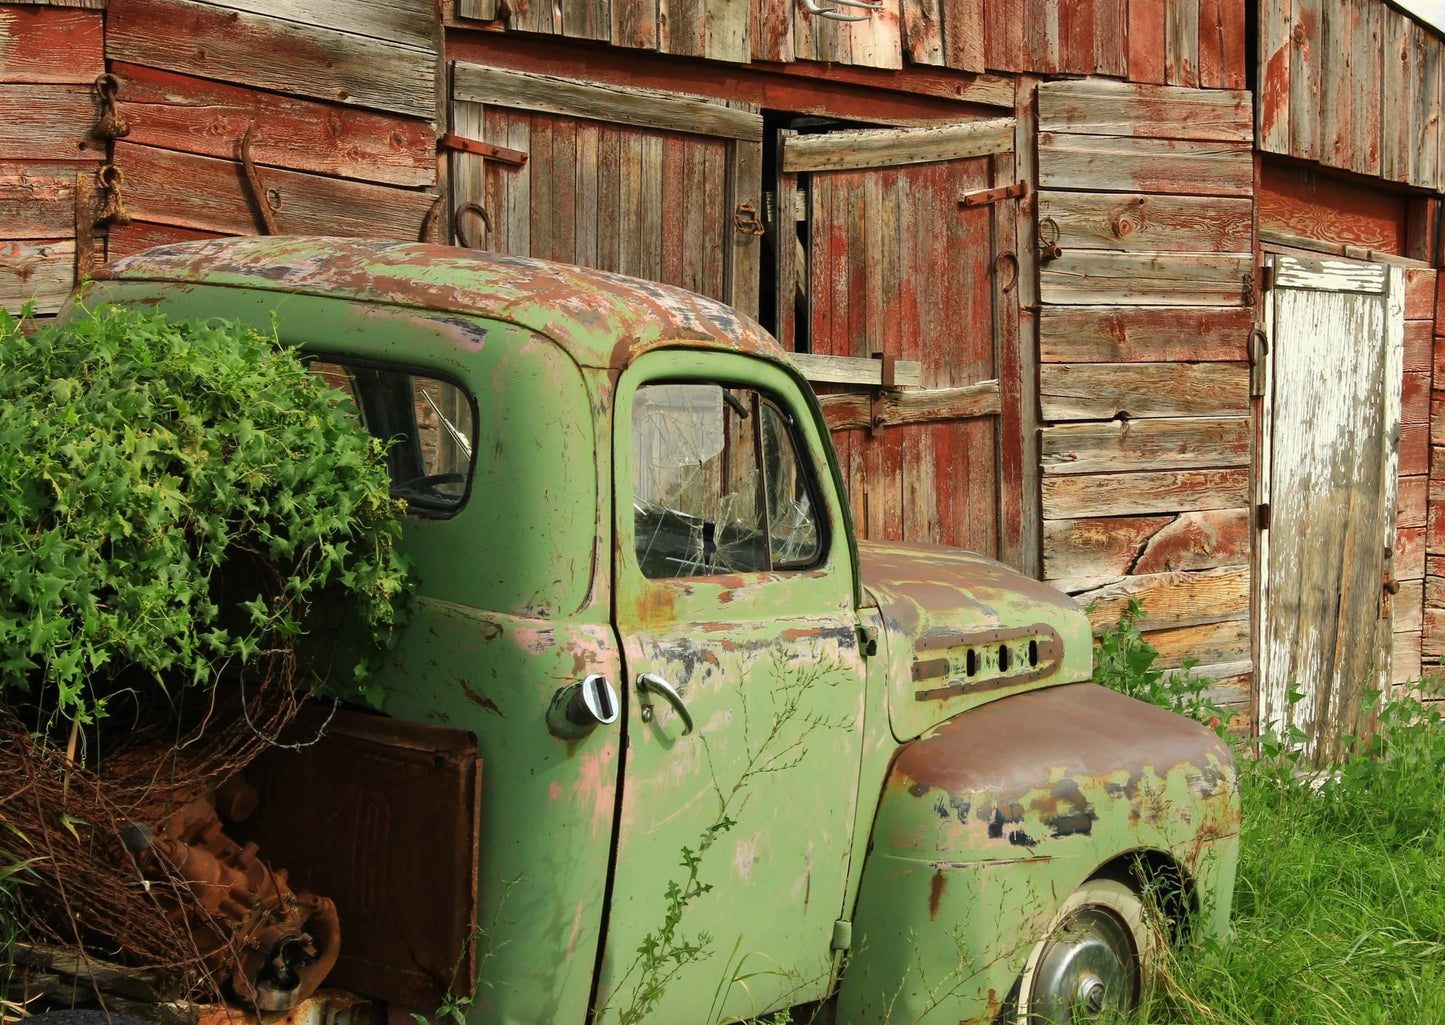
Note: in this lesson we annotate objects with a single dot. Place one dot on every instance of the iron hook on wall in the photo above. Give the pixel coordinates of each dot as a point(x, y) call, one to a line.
point(837, 9)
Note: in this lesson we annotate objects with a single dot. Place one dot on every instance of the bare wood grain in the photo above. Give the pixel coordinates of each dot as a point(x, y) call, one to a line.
point(929, 405)
point(1090, 552)
point(963, 35)
point(268, 53)
point(1097, 277)
point(477, 10)
point(1146, 41)
point(923, 31)
point(1405, 657)
point(407, 21)
point(1197, 540)
point(726, 30)
point(1142, 494)
point(1272, 97)
point(1145, 444)
point(51, 45)
point(1305, 71)
point(892, 147)
point(1206, 644)
point(1181, 42)
point(859, 370)
point(195, 115)
point(37, 201)
point(191, 191)
point(587, 19)
point(1426, 89)
point(1171, 600)
point(1366, 81)
point(1123, 334)
point(47, 122)
point(1093, 163)
point(1407, 607)
point(1091, 106)
point(36, 271)
point(1140, 223)
point(644, 108)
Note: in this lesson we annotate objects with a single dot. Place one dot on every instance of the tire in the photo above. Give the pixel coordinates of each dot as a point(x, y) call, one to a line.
point(1094, 963)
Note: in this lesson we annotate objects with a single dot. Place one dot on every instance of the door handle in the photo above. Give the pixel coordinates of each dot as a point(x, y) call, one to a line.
point(650, 683)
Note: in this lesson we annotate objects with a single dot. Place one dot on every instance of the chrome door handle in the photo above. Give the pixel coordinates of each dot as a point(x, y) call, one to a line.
point(650, 683)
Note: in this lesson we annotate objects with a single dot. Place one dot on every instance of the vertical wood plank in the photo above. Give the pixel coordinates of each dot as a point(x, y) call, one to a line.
point(726, 30)
point(1211, 44)
point(1005, 46)
point(682, 28)
point(1147, 41)
point(1305, 130)
point(564, 191)
point(1396, 73)
point(923, 31)
point(587, 199)
point(586, 19)
point(1366, 76)
point(468, 171)
point(519, 187)
point(610, 223)
point(673, 210)
point(634, 23)
point(745, 185)
point(1076, 37)
point(1042, 34)
point(1111, 37)
point(1233, 17)
point(963, 34)
point(1425, 108)
point(1337, 98)
point(772, 30)
point(1181, 43)
point(535, 16)
point(1272, 97)
point(1014, 422)
point(716, 221)
point(544, 180)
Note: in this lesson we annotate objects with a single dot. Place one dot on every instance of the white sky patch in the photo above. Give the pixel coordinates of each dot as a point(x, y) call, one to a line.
point(1432, 12)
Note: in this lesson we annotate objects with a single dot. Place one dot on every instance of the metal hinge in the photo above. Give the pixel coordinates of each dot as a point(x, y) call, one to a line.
point(501, 154)
point(1261, 516)
point(985, 196)
point(842, 935)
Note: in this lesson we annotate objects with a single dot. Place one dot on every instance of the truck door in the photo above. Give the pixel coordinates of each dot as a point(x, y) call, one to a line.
point(744, 705)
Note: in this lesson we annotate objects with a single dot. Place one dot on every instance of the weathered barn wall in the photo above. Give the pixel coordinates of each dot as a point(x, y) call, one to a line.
point(1352, 84)
point(1176, 42)
point(339, 100)
point(50, 57)
point(1146, 191)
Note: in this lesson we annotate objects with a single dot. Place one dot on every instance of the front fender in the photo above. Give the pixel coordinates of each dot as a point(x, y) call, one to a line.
point(991, 820)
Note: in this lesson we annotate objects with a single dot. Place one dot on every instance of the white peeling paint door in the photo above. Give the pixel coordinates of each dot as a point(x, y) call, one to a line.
point(1335, 334)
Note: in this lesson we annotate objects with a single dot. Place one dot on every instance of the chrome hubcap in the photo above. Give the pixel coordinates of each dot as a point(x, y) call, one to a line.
point(1087, 972)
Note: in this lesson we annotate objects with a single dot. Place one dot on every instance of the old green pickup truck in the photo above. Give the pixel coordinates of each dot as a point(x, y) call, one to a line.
point(733, 760)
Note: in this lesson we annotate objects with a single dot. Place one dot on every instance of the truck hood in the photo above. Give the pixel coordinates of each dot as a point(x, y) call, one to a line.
point(962, 630)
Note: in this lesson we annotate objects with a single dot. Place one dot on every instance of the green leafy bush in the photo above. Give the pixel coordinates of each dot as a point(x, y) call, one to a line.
point(1124, 661)
point(176, 500)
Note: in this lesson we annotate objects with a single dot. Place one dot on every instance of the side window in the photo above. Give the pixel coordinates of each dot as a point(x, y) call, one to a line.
point(428, 423)
point(717, 483)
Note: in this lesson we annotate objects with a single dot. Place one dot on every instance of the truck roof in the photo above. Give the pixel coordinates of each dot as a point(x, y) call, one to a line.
point(601, 319)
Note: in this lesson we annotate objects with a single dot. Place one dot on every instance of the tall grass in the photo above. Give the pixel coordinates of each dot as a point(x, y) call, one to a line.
point(1339, 911)
point(1339, 908)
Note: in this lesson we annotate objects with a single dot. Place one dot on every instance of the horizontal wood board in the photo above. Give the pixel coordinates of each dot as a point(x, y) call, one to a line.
point(51, 44)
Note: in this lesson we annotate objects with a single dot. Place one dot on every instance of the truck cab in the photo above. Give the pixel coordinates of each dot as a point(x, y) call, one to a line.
point(733, 760)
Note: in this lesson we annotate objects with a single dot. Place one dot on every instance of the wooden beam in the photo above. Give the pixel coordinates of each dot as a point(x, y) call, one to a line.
point(859, 370)
point(1163, 444)
point(644, 108)
point(1134, 222)
point(929, 405)
point(1131, 334)
point(1142, 494)
point(1091, 106)
point(1106, 163)
point(1099, 277)
point(893, 147)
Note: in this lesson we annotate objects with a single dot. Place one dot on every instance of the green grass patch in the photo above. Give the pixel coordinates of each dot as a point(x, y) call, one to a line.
point(1339, 907)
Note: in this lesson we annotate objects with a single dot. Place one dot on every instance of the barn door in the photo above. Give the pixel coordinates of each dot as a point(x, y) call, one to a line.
point(905, 249)
point(646, 183)
point(1335, 331)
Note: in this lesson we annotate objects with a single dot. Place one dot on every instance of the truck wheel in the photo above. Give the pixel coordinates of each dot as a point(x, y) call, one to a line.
point(1092, 966)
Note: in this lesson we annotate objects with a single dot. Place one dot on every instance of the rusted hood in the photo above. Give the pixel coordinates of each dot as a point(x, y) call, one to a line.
point(964, 630)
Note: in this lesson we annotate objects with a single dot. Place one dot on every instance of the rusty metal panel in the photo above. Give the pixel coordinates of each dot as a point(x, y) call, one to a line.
point(394, 844)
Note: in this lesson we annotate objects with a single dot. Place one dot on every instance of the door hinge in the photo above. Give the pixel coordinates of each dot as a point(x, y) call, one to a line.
point(1261, 516)
point(501, 154)
point(1266, 277)
point(985, 196)
point(842, 935)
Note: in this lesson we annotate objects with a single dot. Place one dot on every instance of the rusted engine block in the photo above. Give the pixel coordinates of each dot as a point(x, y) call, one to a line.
point(274, 944)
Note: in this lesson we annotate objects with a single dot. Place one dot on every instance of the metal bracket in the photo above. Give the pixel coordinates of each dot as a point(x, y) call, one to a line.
point(985, 196)
point(501, 154)
point(887, 378)
point(834, 14)
point(746, 220)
